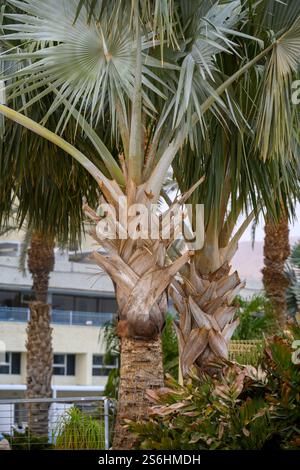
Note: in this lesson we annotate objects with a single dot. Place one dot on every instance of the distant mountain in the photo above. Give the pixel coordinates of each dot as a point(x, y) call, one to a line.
point(249, 261)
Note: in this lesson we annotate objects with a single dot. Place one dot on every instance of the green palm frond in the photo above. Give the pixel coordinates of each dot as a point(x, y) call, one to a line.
point(277, 116)
point(91, 64)
point(208, 34)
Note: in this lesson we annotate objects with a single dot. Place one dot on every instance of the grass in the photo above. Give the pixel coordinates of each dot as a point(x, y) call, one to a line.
point(78, 431)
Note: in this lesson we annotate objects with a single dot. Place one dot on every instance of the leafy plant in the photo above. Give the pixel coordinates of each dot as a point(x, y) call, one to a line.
point(78, 431)
point(293, 290)
point(248, 352)
point(170, 348)
point(28, 441)
point(243, 408)
point(295, 255)
point(256, 318)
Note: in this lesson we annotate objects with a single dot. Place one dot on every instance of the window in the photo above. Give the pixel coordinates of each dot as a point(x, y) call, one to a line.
point(9, 249)
point(10, 363)
point(27, 297)
point(85, 304)
point(9, 299)
point(101, 368)
point(107, 305)
point(64, 364)
point(62, 302)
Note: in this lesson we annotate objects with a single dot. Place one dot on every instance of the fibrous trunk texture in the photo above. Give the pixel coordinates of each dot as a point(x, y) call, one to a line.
point(141, 369)
point(207, 316)
point(276, 252)
point(39, 365)
point(41, 263)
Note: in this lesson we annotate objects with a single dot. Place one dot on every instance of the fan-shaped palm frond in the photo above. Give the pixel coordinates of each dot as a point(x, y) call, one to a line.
point(91, 64)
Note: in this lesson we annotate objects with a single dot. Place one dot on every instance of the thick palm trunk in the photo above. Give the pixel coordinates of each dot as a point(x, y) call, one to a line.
point(141, 369)
point(39, 332)
point(207, 316)
point(39, 365)
point(276, 252)
point(141, 275)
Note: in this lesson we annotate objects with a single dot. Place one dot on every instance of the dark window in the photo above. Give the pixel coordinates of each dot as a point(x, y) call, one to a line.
point(107, 305)
point(85, 304)
point(26, 298)
point(62, 302)
point(9, 299)
point(64, 364)
point(70, 364)
point(59, 359)
point(100, 368)
point(97, 360)
point(11, 363)
point(15, 363)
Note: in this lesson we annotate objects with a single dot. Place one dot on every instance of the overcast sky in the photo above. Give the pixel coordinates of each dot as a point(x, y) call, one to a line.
point(259, 235)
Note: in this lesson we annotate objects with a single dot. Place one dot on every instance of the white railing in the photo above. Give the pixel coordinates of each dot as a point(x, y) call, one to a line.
point(16, 416)
point(62, 317)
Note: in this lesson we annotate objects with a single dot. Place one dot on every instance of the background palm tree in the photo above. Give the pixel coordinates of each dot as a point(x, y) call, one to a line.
point(31, 197)
point(276, 253)
point(105, 68)
point(245, 173)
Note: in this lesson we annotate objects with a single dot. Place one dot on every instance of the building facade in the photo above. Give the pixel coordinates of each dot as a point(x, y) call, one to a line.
point(82, 300)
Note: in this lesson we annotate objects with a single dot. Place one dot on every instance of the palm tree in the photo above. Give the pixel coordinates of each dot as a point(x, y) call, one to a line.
point(32, 193)
point(106, 69)
point(276, 253)
point(245, 173)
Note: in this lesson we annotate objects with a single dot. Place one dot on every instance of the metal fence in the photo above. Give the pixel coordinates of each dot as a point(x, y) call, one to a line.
point(57, 423)
point(63, 317)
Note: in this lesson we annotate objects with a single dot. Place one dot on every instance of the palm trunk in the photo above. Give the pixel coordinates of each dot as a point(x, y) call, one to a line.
point(141, 275)
point(276, 252)
point(41, 264)
point(39, 365)
point(207, 316)
point(141, 369)
point(39, 333)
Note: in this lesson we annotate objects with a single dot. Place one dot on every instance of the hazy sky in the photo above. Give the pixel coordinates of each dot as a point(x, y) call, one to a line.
point(259, 235)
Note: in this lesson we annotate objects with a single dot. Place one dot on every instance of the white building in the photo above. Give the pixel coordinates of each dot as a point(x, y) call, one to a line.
point(82, 299)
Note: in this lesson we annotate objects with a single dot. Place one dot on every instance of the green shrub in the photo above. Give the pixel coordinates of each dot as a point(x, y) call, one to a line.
point(246, 351)
point(256, 318)
point(295, 254)
point(170, 348)
point(78, 431)
point(244, 408)
point(28, 441)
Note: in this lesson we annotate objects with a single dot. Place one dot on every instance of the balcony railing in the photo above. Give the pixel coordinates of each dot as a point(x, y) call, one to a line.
point(61, 317)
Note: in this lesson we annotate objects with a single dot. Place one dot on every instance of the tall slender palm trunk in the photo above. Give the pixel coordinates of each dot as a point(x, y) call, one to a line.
point(39, 332)
point(141, 369)
point(39, 365)
point(276, 252)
